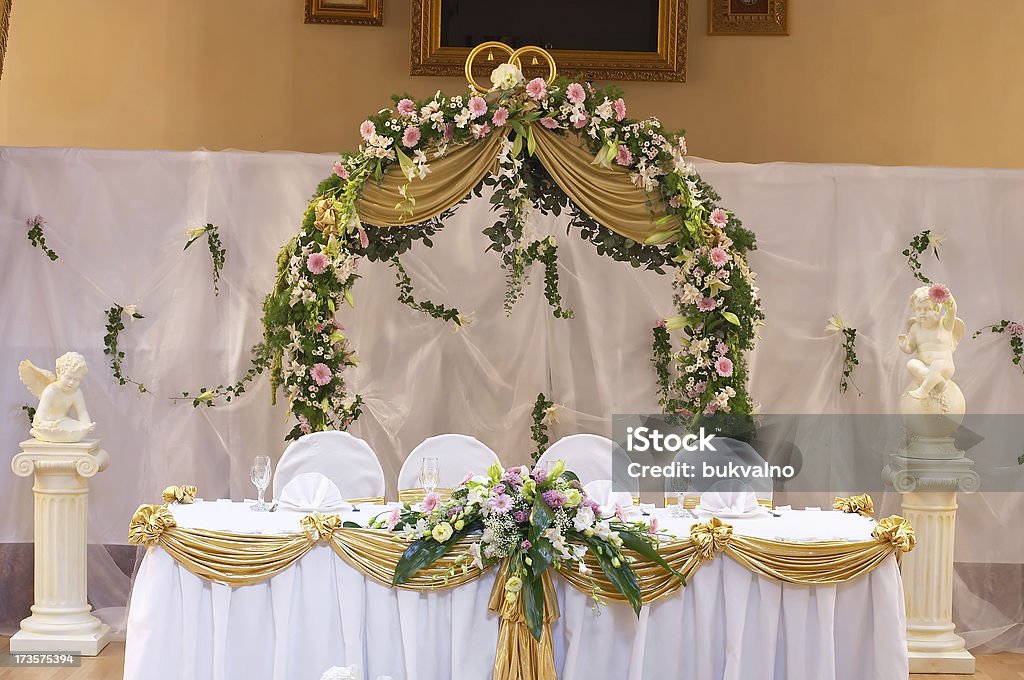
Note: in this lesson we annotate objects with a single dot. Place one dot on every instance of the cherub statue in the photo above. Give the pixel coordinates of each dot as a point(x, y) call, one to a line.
point(58, 394)
point(933, 333)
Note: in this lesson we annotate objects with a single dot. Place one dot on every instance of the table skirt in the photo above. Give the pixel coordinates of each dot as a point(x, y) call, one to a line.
point(728, 623)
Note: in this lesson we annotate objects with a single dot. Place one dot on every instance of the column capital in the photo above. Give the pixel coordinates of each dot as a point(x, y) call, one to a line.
point(84, 458)
point(916, 475)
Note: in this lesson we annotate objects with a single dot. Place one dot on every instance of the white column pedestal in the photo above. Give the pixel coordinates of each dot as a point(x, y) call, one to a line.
point(929, 489)
point(61, 619)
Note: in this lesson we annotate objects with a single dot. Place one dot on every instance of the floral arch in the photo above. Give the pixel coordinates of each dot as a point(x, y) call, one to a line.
point(550, 144)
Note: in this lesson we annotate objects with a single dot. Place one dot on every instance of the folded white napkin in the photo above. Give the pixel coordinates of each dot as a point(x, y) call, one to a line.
point(728, 502)
point(312, 491)
point(599, 491)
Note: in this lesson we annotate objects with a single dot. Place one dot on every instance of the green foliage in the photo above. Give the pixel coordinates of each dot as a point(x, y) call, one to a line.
point(405, 296)
point(918, 245)
point(36, 238)
point(30, 412)
point(850, 360)
point(539, 429)
point(1015, 331)
point(111, 347)
point(217, 252)
point(259, 362)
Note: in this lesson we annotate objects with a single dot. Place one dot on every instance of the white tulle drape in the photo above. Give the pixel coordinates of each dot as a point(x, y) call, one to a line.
point(830, 240)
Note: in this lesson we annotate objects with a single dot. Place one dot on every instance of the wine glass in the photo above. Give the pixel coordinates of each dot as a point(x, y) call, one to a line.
point(430, 473)
point(260, 476)
point(679, 486)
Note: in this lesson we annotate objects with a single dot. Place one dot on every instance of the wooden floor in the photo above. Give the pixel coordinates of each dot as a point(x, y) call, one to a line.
point(109, 666)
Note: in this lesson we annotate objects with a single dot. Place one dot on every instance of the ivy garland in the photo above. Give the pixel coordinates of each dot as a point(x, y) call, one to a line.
point(702, 245)
point(36, 238)
point(836, 325)
point(217, 252)
point(539, 429)
point(918, 245)
point(115, 324)
point(1015, 331)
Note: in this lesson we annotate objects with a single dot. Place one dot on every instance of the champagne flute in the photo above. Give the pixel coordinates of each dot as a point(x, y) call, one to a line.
point(430, 473)
point(260, 476)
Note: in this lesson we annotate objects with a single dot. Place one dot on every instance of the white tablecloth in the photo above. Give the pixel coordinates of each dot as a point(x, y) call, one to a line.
point(726, 623)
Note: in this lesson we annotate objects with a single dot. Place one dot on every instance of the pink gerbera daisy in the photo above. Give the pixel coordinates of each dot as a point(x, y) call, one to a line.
point(304, 426)
point(431, 501)
point(406, 107)
point(500, 117)
point(576, 93)
point(316, 263)
point(501, 503)
point(537, 88)
point(411, 136)
point(719, 257)
point(624, 157)
point(707, 304)
point(724, 366)
point(321, 374)
point(340, 170)
point(367, 129)
point(393, 518)
point(477, 106)
point(620, 109)
point(549, 122)
point(938, 293)
point(719, 217)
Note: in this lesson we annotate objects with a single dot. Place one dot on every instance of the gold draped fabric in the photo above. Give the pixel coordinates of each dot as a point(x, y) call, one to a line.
point(416, 495)
point(605, 193)
point(519, 655)
point(186, 493)
point(861, 504)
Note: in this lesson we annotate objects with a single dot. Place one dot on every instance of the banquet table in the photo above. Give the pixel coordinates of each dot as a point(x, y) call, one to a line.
point(727, 622)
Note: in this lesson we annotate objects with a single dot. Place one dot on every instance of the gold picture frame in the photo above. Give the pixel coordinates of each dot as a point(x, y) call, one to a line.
point(358, 12)
point(428, 57)
point(748, 17)
point(5, 21)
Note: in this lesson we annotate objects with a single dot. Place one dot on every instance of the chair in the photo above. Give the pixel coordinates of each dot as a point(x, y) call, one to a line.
point(730, 449)
point(457, 454)
point(593, 457)
point(347, 461)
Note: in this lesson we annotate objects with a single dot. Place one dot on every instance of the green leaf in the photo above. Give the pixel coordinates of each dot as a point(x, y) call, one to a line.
point(542, 515)
point(518, 127)
point(638, 545)
point(731, 318)
point(533, 605)
point(531, 141)
point(570, 476)
point(622, 577)
point(422, 553)
point(517, 145)
point(659, 237)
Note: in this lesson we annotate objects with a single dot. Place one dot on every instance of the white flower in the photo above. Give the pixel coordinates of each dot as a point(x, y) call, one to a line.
point(835, 325)
point(130, 310)
point(442, 532)
point(690, 294)
point(462, 118)
point(935, 241)
point(195, 233)
point(551, 414)
point(339, 673)
point(477, 495)
point(603, 530)
point(474, 552)
point(604, 110)
point(584, 518)
point(506, 76)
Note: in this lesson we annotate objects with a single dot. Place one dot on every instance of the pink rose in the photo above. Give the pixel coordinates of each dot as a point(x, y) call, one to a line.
point(575, 93)
point(707, 304)
point(477, 106)
point(624, 157)
point(938, 293)
point(340, 170)
point(431, 501)
point(367, 130)
point(411, 136)
point(719, 257)
point(620, 109)
point(537, 88)
point(719, 217)
point(406, 107)
point(549, 122)
point(321, 374)
point(724, 366)
point(1015, 329)
point(500, 117)
point(316, 263)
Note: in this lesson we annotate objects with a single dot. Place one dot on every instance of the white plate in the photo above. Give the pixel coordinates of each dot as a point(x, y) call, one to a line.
point(757, 512)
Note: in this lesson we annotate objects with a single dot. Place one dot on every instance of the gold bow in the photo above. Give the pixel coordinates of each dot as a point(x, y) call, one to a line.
point(149, 523)
point(318, 527)
point(861, 504)
point(710, 537)
point(186, 493)
point(897, 531)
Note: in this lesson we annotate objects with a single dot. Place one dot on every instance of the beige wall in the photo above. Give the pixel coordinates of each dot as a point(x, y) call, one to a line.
point(916, 82)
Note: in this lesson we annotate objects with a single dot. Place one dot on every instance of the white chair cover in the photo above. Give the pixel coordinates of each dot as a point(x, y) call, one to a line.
point(457, 454)
point(592, 457)
point(727, 449)
point(312, 491)
point(347, 461)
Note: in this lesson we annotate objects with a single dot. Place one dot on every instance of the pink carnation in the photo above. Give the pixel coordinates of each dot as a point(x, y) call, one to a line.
point(721, 348)
point(316, 263)
point(367, 129)
point(575, 93)
point(719, 217)
point(500, 117)
point(537, 88)
point(707, 304)
point(719, 257)
point(304, 426)
point(938, 293)
point(549, 122)
point(431, 501)
point(581, 122)
point(340, 170)
point(624, 157)
point(724, 366)
point(620, 109)
point(321, 374)
point(1015, 329)
point(411, 136)
point(406, 107)
point(477, 106)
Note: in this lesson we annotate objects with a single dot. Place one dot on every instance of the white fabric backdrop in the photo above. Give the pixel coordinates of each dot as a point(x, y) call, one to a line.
point(830, 241)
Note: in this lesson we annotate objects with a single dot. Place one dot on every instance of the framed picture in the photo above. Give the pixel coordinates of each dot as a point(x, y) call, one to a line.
point(748, 17)
point(601, 39)
point(362, 12)
point(5, 18)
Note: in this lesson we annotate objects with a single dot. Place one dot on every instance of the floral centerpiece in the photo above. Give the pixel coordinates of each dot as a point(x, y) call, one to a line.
point(532, 520)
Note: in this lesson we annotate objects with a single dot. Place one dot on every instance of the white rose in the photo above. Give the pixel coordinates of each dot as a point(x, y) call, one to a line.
point(506, 76)
point(584, 518)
